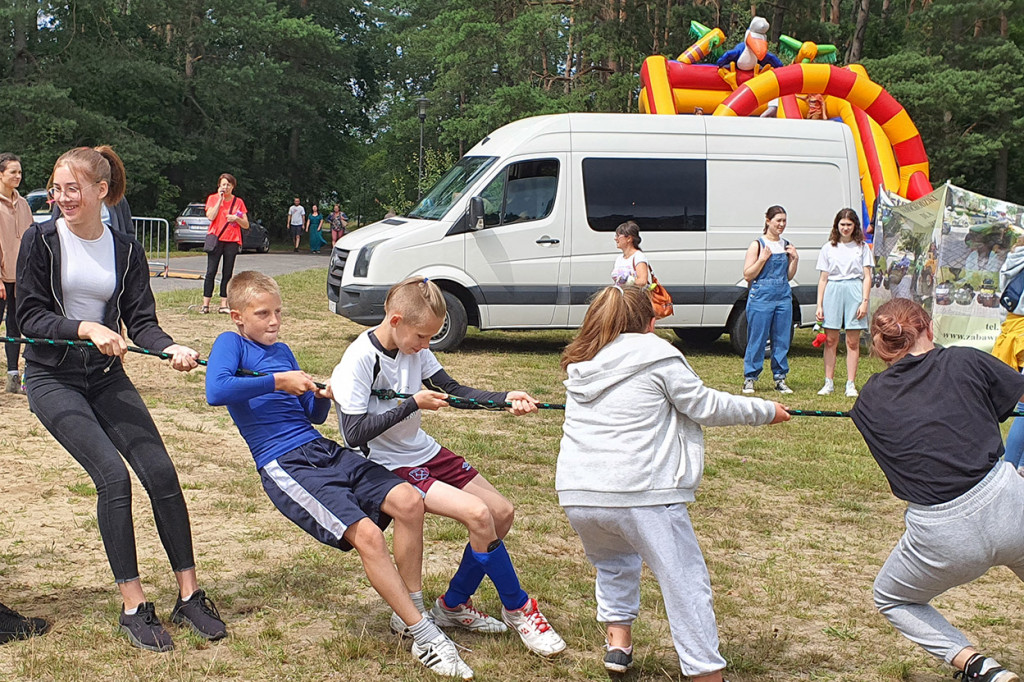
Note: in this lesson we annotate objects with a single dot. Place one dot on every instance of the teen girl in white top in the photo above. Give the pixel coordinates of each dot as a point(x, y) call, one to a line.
point(844, 289)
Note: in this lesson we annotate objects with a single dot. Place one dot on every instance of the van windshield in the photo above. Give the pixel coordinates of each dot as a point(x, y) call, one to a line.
point(451, 187)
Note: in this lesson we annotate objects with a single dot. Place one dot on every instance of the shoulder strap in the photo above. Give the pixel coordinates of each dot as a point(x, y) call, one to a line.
point(225, 225)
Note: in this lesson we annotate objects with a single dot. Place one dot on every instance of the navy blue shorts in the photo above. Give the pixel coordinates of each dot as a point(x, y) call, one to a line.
point(324, 488)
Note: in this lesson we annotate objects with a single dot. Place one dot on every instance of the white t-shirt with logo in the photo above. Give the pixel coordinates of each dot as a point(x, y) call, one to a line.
point(624, 270)
point(405, 444)
point(844, 261)
point(296, 215)
point(87, 273)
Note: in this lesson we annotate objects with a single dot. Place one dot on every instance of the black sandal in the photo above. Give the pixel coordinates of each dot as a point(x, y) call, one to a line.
point(205, 310)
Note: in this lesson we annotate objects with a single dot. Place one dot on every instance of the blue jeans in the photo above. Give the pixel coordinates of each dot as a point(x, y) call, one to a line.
point(1015, 440)
point(99, 418)
point(768, 319)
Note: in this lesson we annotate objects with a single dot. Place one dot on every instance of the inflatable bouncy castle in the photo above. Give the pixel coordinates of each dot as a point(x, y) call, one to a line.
point(749, 80)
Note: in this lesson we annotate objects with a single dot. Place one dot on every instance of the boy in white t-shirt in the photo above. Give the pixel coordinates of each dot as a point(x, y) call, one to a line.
point(396, 356)
point(844, 290)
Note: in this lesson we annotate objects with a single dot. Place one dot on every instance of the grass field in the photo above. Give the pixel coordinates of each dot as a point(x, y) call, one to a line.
point(795, 520)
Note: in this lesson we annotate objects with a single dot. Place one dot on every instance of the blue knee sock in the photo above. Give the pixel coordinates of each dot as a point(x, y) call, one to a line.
point(466, 579)
point(498, 566)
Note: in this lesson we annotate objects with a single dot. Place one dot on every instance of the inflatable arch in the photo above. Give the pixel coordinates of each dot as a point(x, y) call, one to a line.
point(861, 93)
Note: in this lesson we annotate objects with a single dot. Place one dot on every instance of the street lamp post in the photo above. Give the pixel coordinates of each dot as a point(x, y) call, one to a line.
point(421, 110)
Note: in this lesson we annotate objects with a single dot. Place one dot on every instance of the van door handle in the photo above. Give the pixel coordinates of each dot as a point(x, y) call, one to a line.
point(548, 240)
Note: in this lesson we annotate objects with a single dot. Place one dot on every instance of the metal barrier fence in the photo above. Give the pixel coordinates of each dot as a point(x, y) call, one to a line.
point(155, 236)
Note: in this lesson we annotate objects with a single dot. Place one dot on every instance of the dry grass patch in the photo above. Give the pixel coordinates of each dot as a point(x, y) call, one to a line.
point(794, 521)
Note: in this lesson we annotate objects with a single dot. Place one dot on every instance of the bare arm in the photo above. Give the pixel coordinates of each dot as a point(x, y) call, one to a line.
point(794, 258)
point(822, 283)
point(643, 274)
point(754, 261)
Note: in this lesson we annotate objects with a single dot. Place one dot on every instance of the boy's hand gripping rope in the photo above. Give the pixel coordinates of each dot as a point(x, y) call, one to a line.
point(382, 393)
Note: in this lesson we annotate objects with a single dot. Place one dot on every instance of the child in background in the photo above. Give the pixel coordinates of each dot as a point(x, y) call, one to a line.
point(332, 493)
point(1009, 345)
point(844, 290)
point(395, 355)
point(931, 421)
point(631, 458)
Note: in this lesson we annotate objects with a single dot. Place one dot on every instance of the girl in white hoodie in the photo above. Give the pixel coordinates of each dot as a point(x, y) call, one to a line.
point(631, 458)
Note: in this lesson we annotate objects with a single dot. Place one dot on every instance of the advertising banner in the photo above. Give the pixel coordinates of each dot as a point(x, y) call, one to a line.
point(944, 251)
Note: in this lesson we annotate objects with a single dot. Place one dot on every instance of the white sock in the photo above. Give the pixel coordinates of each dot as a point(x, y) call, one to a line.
point(131, 612)
point(12, 372)
point(186, 598)
point(417, 600)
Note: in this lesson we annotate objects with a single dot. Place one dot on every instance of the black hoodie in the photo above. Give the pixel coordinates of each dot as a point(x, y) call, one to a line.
point(41, 298)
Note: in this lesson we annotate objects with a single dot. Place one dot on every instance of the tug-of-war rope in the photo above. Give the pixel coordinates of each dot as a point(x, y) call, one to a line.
point(382, 393)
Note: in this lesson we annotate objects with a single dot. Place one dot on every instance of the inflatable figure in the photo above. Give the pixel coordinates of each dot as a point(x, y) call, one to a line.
point(752, 54)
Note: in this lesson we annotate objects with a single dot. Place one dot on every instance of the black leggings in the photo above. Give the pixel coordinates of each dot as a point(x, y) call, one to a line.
point(229, 250)
point(100, 417)
point(11, 304)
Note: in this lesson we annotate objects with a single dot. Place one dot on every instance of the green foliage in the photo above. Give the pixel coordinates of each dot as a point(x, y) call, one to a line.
point(317, 97)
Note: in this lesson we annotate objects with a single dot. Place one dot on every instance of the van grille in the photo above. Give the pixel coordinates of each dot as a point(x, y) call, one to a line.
point(335, 272)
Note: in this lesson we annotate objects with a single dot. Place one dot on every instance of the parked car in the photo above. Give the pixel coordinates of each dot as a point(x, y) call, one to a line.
point(39, 202)
point(191, 226)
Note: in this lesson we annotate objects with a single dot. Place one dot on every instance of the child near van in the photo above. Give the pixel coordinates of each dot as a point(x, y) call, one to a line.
point(631, 458)
point(770, 263)
point(332, 493)
point(965, 507)
point(844, 290)
point(395, 355)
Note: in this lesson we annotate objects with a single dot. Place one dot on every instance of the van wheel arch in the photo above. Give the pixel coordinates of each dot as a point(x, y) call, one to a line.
point(462, 311)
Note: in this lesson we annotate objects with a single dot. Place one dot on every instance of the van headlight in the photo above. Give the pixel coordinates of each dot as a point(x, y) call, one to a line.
point(362, 265)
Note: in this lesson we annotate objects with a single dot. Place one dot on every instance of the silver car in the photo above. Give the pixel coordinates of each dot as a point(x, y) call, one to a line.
point(39, 202)
point(191, 226)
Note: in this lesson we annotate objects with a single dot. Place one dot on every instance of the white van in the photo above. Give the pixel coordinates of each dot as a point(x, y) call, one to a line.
point(519, 234)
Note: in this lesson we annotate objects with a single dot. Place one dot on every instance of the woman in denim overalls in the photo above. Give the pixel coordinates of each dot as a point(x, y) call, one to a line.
point(770, 264)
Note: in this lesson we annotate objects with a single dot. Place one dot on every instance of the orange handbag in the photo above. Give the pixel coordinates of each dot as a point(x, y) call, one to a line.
point(660, 299)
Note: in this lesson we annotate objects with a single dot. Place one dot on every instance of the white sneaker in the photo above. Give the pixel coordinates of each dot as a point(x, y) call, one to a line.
point(534, 629)
point(851, 390)
point(748, 386)
point(827, 388)
point(465, 616)
point(441, 656)
point(399, 627)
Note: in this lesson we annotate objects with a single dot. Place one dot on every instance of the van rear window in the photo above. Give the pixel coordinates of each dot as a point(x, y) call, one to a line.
point(661, 195)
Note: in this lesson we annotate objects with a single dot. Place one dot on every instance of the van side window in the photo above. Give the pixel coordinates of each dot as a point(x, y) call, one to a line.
point(659, 194)
point(522, 192)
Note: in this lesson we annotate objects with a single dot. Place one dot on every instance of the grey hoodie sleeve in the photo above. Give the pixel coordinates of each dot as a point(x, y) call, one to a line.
point(704, 405)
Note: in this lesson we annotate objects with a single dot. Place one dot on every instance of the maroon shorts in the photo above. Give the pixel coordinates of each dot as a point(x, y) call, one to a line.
point(446, 467)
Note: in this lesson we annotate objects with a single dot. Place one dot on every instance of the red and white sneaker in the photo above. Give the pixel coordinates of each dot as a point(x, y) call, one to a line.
point(466, 617)
point(534, 629)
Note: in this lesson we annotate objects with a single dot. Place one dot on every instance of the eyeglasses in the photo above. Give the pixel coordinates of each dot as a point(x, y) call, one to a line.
point(71, 192)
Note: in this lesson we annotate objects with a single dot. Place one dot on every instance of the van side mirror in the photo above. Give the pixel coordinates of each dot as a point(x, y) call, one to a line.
point(476, 213)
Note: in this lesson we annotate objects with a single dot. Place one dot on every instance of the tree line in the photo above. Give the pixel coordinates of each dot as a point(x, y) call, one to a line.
point(317, 98)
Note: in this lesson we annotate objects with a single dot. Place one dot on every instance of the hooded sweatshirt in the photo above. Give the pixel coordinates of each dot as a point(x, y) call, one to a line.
point(632, 434)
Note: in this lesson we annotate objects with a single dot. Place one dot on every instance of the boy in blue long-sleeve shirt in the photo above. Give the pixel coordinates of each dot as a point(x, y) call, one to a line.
point(334, 494)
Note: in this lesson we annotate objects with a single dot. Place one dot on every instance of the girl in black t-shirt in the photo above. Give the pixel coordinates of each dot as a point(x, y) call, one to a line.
point(965, 507)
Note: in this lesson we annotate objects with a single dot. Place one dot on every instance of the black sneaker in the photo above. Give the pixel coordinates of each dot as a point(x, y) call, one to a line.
point(13, 625)
point(618, 661)
point(985, 669)
point(145, 630)
point(200, 614)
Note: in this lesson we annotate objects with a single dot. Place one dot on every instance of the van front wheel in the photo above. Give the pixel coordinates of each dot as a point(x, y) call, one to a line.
point(453, 330)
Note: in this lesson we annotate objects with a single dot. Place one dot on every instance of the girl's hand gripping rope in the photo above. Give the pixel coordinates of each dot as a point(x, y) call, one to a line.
point(183, 358)
point(781, 414)
point(106, 340)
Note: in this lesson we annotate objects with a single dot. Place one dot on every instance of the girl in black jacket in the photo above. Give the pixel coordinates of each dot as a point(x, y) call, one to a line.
point(78, 279)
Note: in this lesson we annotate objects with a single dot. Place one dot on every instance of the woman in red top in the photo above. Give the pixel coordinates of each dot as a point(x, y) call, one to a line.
point(228, 217)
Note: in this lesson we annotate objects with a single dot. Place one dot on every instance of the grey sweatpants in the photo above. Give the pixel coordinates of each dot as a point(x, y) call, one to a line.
point(619, 540)
point(946, 545)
